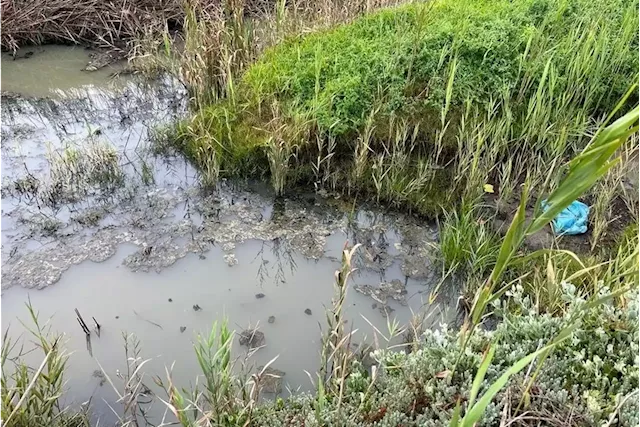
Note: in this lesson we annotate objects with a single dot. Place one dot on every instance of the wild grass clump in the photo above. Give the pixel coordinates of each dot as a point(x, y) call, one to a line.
point(215, 44)
point(467, 242)
point(542, 276)
point(404, 57)
point(419, 106)
point(91, 167)
point(78, 169)
point(31, 397)
point(220, 39)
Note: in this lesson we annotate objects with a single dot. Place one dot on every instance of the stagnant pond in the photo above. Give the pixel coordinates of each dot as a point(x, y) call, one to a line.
point(93, 220)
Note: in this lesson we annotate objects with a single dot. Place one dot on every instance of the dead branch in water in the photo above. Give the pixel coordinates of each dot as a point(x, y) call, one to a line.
point(83, 325)
point(147, 320)
point(97, 328)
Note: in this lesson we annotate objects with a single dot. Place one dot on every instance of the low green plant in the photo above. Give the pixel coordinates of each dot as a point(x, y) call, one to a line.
point(421, 389)
point(407, 52)
point(30, 397)
point(467, 242)
point(219, 400)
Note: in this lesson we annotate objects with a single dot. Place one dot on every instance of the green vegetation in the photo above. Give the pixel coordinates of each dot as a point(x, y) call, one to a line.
point(467, 111)
point(405, 57)
point(419, 388)
point(31, 397)
point(418, 106)
point(467, 243)
point(580, 352)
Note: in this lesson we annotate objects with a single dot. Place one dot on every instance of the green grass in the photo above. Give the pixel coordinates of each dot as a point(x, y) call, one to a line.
point(31, 396)
point(401, 104)
point(467, 242)
point(402, 56)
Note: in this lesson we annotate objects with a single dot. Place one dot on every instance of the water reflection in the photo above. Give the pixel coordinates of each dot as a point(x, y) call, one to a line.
point(161, 258)
point(283, 253)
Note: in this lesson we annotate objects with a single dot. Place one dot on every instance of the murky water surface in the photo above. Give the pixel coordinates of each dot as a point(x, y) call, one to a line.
point(92, 220)
point(52, 70)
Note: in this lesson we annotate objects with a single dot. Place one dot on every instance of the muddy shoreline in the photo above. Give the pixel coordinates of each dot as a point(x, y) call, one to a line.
point(90, 181)
point(94, 219)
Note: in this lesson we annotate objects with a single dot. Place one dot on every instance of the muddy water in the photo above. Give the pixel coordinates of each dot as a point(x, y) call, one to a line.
point(52, 70)
point(93, 219)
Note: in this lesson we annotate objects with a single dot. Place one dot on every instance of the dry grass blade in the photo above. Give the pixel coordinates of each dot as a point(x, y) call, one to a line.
point(106, 24)
point(612, 418)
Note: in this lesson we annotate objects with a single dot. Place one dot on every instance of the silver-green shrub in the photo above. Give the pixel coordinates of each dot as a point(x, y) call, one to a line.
point(582, 381)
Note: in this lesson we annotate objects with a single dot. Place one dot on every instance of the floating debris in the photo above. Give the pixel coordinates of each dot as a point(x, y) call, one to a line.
point(196, 307)
point(230, 259)
point(271, 380)
point(149, 321)
point(251, 338)
point(260, 295)
point(307, 311)
point(99, 374)
point(182, 329)
point(228, 246)
point(385, 310)
point(395, 290)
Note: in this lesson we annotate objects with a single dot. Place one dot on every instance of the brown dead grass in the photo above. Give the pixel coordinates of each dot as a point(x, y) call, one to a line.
point(96, 22)
point(106, 24)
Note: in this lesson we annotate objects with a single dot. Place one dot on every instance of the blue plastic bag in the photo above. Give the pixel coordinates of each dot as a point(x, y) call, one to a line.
point(572, 220)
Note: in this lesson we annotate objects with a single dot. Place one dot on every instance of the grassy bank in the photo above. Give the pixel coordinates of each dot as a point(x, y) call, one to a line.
point(444, 109)
point(471, 112)
point(419, 105)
